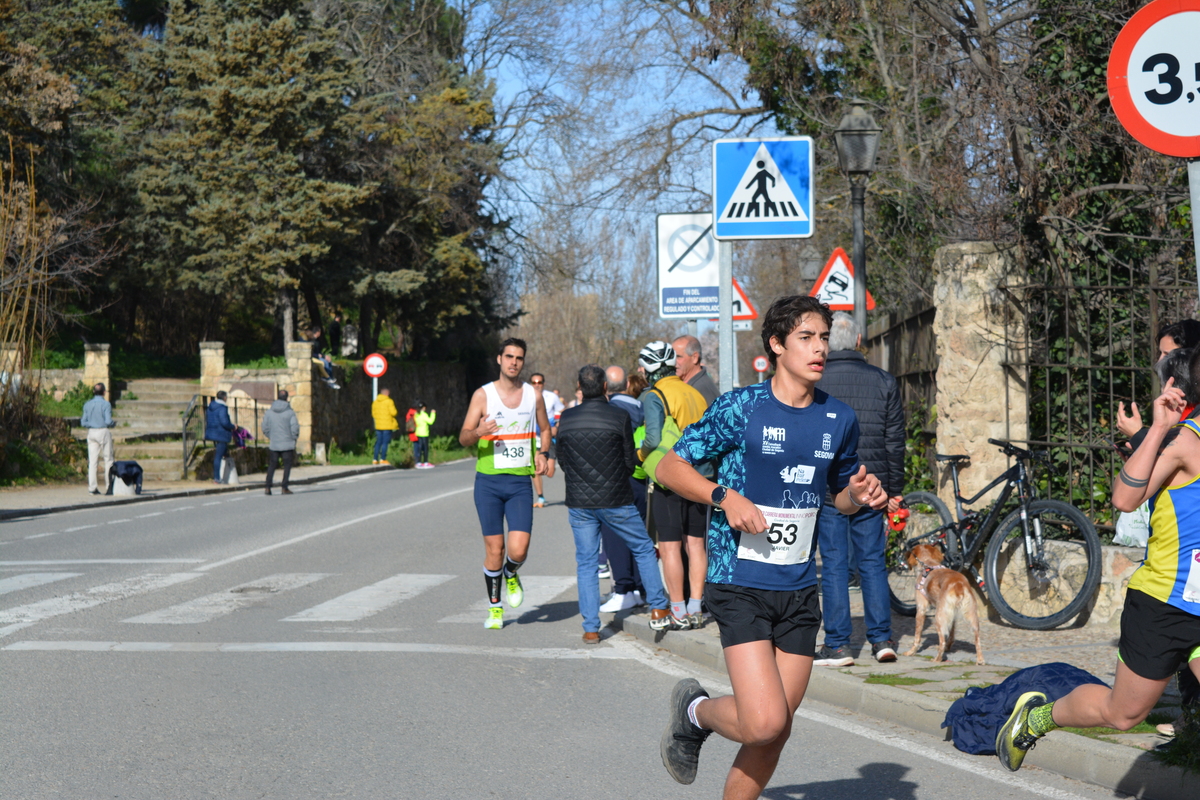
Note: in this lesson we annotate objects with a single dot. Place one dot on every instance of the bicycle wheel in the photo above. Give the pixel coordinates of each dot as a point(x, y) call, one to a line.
point(926, 515)
point(1050, 582)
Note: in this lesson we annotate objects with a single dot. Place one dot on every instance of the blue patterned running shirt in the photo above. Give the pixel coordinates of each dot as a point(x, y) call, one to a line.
point(783, 459)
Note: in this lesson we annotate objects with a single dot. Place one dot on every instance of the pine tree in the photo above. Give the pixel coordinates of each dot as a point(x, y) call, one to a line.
point(241, 107)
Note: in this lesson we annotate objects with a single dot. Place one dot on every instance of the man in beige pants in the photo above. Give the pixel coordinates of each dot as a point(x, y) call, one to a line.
point(97, 418)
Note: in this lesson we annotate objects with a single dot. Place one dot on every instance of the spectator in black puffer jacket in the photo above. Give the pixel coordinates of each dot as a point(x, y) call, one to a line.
point(596, 453)
point(875, 398)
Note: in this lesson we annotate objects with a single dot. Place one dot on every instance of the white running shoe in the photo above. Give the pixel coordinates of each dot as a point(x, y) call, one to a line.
point(622, 601)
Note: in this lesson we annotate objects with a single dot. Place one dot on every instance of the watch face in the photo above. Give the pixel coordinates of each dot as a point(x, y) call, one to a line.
point(718, 495)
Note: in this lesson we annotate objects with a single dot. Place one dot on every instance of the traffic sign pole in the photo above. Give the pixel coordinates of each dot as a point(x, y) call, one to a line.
point(1194, 187)
point(725, 341)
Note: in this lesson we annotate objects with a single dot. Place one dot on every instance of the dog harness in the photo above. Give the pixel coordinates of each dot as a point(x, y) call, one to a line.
point(925, 578)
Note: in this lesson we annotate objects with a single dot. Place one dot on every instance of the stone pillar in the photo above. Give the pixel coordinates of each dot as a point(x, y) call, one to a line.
point(212, 367)
point(978, 395)
point(10, 358)
point(300, 389)
point(95, 366)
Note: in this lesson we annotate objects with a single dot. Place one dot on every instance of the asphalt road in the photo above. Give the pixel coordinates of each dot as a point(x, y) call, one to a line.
point(330, 644)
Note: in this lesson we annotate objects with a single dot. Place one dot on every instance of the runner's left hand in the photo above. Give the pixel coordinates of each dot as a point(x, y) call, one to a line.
point(866, 490)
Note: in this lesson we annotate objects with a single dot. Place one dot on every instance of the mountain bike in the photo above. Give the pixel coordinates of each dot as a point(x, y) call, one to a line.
point(1042, 563)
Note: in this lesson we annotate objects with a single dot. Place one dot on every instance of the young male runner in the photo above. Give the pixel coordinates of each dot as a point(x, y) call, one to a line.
point(499, 423)
point(1160, 625)
point(782, 443)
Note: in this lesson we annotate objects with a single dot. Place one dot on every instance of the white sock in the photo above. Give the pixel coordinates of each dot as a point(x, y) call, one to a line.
point(692, 711)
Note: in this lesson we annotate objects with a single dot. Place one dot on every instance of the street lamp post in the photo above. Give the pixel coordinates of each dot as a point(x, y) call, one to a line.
point(857, 138)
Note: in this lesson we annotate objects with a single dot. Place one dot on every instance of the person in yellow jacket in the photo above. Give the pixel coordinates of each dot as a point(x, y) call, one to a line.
point(384, 412)
point(424, 420)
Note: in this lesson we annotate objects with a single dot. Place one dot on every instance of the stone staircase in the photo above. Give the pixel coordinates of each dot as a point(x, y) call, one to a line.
point(148, 417)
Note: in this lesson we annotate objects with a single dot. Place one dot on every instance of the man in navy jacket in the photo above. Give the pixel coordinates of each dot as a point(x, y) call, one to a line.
point(875, 398)
point(219, 429)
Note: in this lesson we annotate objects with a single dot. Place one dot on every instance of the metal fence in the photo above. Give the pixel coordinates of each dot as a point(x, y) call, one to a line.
point(1085, 341)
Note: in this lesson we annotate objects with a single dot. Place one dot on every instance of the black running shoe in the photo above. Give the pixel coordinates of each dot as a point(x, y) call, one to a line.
point(681, 741)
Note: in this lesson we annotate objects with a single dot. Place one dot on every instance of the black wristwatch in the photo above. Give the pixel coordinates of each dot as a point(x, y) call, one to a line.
point(718, 495)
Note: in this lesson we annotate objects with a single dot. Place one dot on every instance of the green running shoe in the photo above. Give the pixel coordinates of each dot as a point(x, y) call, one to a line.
point(495, 620)
point(1015, 739)
point(516, 595)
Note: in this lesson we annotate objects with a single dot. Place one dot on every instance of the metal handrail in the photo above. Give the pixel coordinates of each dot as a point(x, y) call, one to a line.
point(200, 402)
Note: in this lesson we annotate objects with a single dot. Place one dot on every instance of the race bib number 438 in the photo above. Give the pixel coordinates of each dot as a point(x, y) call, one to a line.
point(513, 453)
point(787, 540)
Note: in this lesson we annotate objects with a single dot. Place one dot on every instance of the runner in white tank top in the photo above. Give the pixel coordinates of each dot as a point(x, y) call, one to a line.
point(500, 424)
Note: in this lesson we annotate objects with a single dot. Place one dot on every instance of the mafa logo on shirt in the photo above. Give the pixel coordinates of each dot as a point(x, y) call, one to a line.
point(826, 441)
point(774, 434)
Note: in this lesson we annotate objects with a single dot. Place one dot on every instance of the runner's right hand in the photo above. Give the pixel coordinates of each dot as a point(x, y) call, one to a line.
point(487, 426)
point(742, 514)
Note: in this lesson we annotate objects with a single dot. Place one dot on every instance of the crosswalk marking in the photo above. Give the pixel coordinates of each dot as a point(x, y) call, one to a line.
point(22, 616)
point(19, 582)
point(551, 653)
point(211, 606)
point(539, 590)
point(369, 600)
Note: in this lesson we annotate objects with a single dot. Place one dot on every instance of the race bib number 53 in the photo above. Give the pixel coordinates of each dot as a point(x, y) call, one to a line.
point(787, 540)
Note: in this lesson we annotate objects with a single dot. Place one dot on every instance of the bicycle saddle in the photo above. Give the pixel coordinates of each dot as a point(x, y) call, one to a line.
point(955, 459)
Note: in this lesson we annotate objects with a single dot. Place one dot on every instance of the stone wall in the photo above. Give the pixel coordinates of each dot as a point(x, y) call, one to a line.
point(57, 381)
point(1117, 565)
point(978, 395)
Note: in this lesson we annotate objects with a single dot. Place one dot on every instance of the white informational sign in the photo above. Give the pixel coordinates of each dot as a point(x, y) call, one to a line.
point(687, 267)
point(1154, 77)
point(762, 188)
point(743, 325)
point(375, 365)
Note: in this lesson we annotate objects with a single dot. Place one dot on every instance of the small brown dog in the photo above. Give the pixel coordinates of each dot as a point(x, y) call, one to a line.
point(947, 591)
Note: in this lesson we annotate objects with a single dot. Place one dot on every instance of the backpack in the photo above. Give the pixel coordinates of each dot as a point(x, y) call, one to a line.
point(670, 435)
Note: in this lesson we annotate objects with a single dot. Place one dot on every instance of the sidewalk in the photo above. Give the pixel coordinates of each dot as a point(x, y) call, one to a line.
point(1118, 762)
point(25, 501)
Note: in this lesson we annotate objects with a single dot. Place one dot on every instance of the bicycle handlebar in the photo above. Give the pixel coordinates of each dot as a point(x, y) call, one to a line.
point(1017, 452)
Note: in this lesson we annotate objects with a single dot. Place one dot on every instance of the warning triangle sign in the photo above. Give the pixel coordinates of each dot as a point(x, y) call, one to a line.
point(763, 193)
point(835, 285)
point(743, 309)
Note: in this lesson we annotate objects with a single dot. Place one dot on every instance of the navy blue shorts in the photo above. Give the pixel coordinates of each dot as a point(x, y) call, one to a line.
point(500, 497)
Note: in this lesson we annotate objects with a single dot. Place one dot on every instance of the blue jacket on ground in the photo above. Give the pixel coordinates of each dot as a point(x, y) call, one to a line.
point(975, 718)
point(217, 425)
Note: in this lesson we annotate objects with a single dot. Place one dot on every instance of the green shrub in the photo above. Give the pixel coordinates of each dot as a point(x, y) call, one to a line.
point(70, 406)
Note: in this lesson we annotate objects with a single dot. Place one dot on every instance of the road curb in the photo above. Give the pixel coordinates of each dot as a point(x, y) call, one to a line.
point(1113, 766)
point(21, 513)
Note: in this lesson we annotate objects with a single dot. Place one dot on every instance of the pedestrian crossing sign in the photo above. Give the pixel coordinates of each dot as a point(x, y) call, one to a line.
point(762, 188)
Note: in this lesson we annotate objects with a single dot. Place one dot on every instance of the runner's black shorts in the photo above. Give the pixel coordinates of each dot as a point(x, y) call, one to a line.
point(789, 619)
point(676, 516)
point(1156, 637)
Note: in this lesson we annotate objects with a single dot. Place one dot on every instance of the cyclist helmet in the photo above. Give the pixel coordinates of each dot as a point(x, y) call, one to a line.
point(655, 356)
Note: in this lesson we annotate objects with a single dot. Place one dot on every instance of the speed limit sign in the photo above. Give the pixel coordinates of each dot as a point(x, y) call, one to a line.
point(375, 365)
point(1154, 77)
point(761, 364)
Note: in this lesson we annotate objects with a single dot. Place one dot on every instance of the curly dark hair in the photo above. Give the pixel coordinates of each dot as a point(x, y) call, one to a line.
point(785, 314)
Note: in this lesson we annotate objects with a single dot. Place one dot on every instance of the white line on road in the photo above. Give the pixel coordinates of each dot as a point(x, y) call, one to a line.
point(19, 582)
point(974, 766)
point(332, 528)
point(80, 528)
point(950, 760)
point(21, 616)
point(117, 521)
point(73, 561)
point(211, 606)
point(153, 514)
point(550, 653)
point(42, 535)
point(215, 503)
point(369, 600)
point(539, 590)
